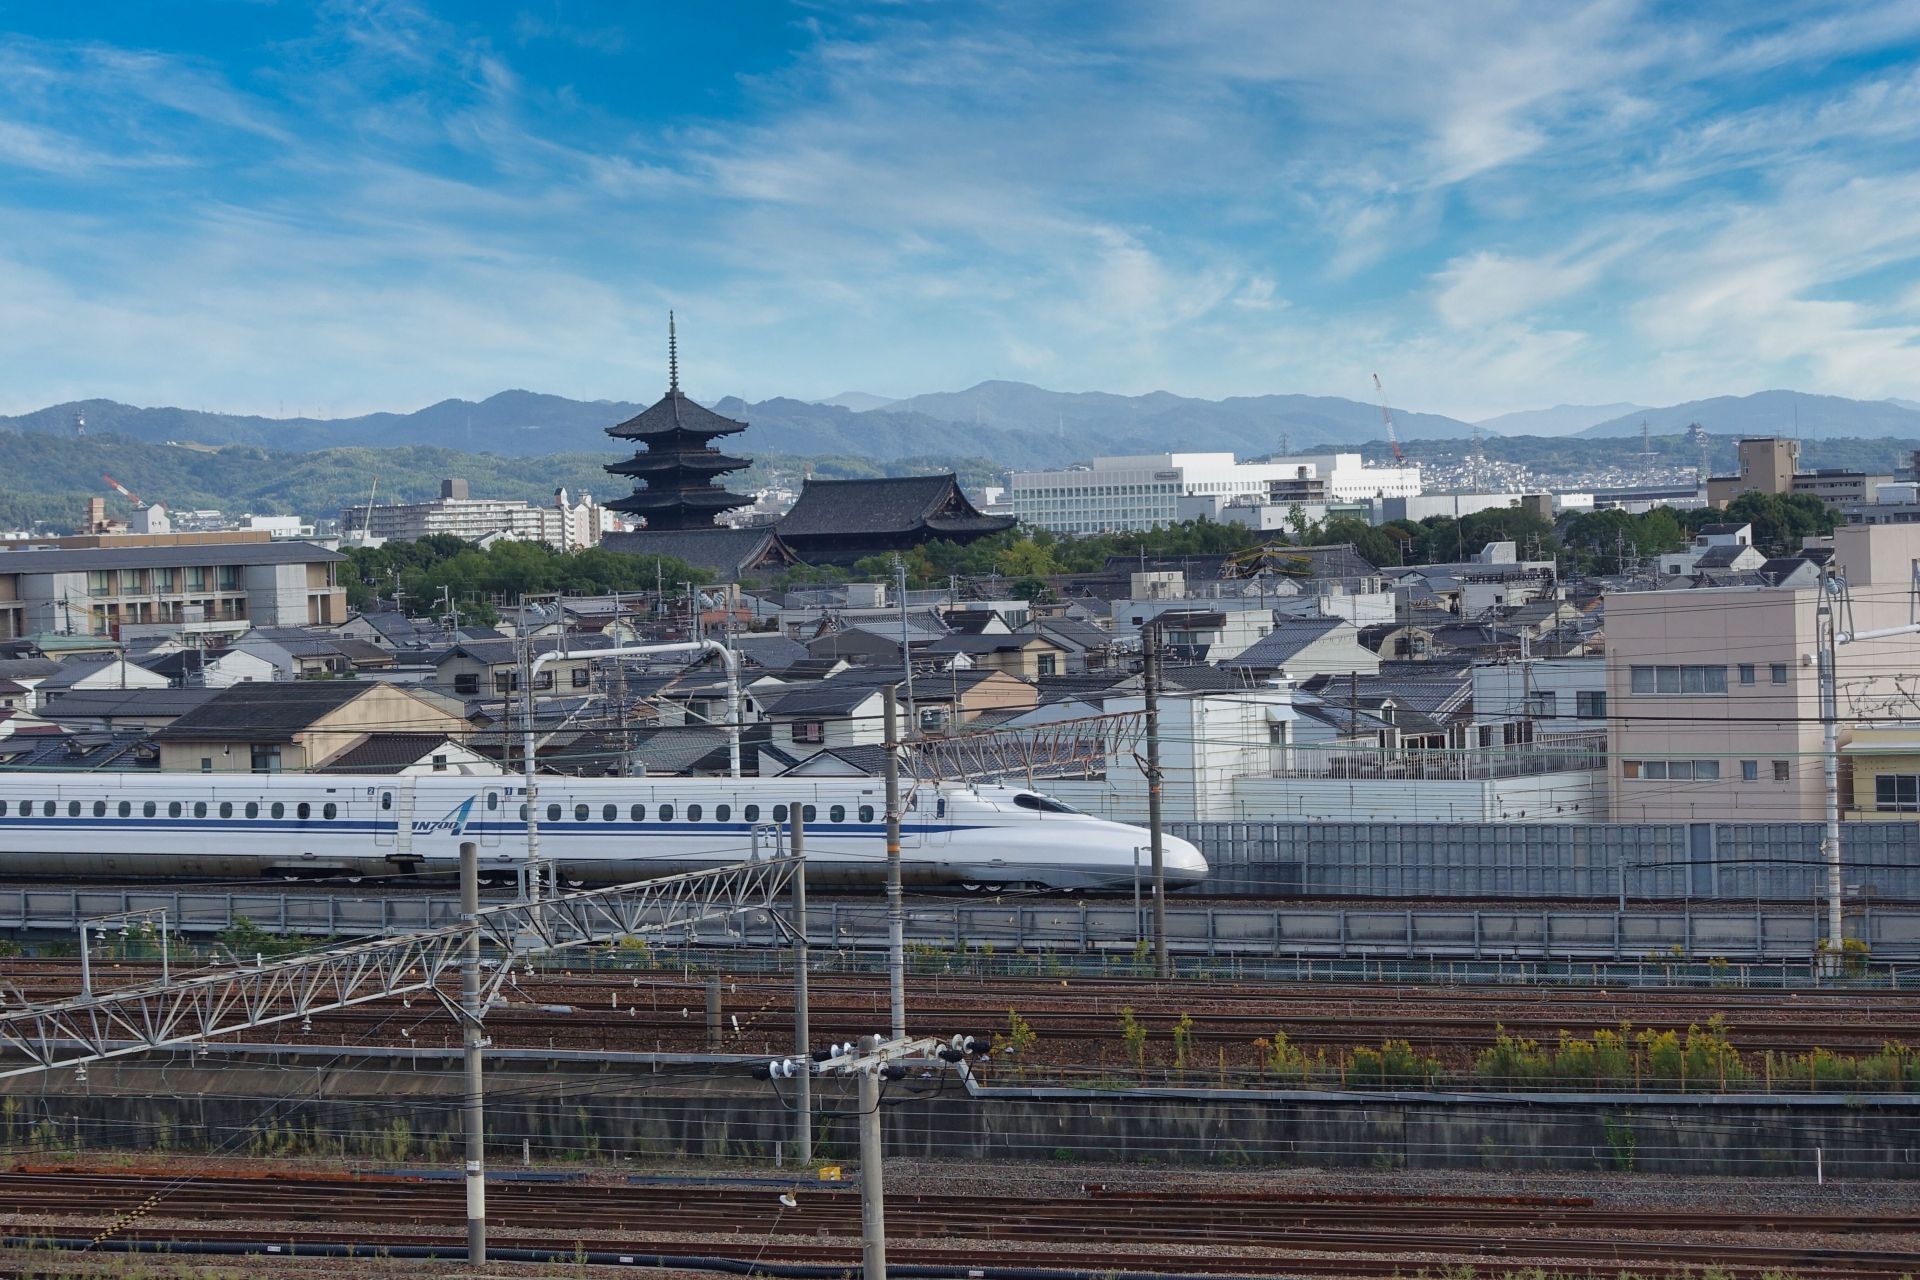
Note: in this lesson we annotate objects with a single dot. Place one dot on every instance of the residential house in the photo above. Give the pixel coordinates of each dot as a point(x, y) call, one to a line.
point(1521, 700)
point(474, 667)
point(120, 710)
point(95, 673)
point(1087, 647)
point(210, 668)
point(1301, 647)
point(28, 673)
point(411, 754)
point(872, 644)
point(1026, 654)
point(294, 726)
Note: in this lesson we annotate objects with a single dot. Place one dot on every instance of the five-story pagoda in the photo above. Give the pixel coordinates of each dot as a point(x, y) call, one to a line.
point(678, 463)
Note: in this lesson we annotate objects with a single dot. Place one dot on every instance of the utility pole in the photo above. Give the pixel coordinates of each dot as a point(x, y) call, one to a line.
point(1830, 769)
point(1150, 688)
point(906, 644)
point(872, 1062)
point(529, 783)
point(896, 911)
point(803, 1094)
point(873, 1192)
point(473, 1040)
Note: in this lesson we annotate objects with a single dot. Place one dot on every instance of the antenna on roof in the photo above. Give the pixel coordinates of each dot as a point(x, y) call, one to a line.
point(673, 357)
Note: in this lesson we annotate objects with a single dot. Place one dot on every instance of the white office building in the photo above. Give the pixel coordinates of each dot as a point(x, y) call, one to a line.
point(1117, 494)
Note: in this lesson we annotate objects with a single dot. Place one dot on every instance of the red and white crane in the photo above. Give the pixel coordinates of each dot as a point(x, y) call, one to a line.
point(1386, 416)
point(139, 503)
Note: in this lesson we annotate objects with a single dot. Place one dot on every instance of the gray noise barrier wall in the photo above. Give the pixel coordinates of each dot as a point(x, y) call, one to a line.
point(1729, 861)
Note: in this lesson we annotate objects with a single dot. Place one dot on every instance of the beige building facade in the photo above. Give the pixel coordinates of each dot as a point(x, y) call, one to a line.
point(1713, 709)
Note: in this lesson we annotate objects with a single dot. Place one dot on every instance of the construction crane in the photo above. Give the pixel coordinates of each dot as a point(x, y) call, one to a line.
point(1386, 416)
point(139, 503)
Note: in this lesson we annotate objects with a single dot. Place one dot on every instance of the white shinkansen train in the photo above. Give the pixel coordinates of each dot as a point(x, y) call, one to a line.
point(592, 830)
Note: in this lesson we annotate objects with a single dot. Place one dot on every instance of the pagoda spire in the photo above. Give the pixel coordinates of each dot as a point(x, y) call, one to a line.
point(677, 463)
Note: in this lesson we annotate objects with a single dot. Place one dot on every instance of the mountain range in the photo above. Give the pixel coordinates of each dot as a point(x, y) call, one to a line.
point(1014, 423)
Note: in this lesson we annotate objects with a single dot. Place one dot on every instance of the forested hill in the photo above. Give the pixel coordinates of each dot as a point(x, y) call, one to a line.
point(49, 478)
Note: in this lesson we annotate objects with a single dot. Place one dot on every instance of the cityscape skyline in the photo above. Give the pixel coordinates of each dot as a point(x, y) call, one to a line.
point(343, 208)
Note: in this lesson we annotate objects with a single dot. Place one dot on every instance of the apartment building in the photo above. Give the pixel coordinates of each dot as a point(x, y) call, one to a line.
point(1770, 464)
point(1138, 492)
point(1712, 694)
point(195, 582)
point(563, 525)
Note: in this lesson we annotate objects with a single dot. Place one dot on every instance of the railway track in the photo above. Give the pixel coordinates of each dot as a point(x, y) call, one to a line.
point(1099, 1230)
point(644, 1011)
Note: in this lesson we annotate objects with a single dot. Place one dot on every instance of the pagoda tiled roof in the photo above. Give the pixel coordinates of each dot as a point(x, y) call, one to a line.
point(675, 412)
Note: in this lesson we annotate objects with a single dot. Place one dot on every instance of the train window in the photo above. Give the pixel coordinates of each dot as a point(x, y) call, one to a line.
point(175, 809)
point(809, 812)
point(226, 808)
point(73, 808)
point(253, 808)
point(330, 811)
point(721, 812)
point(99, 808)
point(837, 814)
point(303, 811)
point(1042, 804)
point(693, 813)
point(493, 799)
point(553, 813)
point(638, 813)
point(523, 813)
point(279, 810)
point(146, 810)
point(3, 808)
point(940, 808)
point(386, 799)
point(666, 813)
point(751, 813)
point(125, 809)
point(580, 812)
point(779, 813)
point(199, 808)
point(611, 813)
point(866, 813)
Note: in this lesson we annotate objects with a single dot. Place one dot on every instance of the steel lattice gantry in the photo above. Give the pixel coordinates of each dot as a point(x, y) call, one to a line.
point(137, 1019)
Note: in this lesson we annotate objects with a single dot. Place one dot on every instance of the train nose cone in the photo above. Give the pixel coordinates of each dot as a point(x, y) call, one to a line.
point(1183, 861)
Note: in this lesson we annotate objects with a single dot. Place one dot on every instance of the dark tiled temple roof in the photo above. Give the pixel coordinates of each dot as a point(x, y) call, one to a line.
point(675, 412)
point(730, 553)
point(902, 505)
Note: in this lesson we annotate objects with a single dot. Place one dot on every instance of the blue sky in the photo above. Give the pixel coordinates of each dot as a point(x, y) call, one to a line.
point(337, 207)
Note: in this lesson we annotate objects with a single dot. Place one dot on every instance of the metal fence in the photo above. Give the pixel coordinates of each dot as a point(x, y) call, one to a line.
point(1067, 926)
point(1707, 861)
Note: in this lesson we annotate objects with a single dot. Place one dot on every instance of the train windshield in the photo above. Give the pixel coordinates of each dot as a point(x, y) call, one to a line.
point(1045, 804)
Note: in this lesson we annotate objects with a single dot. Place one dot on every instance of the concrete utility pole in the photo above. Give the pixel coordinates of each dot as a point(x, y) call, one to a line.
point(873, 1192)
point(803, 1094)
point(1830, 770)
point(1150, 688)
point(873, 1061)
point(473, 1041)
point(906, 644)
point(896, 908)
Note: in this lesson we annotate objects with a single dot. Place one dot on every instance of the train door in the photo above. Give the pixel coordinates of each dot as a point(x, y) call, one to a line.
point(386, 811)
point(492, 815)
point(932, 815)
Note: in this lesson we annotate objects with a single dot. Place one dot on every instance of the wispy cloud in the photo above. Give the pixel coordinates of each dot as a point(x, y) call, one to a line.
point(1495, 204)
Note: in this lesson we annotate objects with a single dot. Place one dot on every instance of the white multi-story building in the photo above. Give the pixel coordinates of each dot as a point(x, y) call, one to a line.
point(565, 525)
point(1117, 494)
